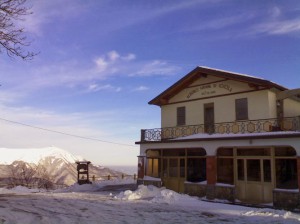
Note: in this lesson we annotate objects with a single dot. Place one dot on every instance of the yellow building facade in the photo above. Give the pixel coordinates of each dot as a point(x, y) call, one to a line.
point(225, 135)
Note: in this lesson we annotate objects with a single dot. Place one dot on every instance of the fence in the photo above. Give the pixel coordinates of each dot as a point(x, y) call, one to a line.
point(236, 127)
point(110, 177)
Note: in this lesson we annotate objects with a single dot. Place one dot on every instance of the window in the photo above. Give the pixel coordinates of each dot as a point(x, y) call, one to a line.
point(153, 163)
point(254, 152)
point(241, 109)
point(225, 171)
point(225, 166)
point(196, 165)
point(180, 116)
point(152, 167)
point(286, 173)
point(173, 167)
point(196, 169)
point(241, 169)
point(286, 168)
point(267, 170)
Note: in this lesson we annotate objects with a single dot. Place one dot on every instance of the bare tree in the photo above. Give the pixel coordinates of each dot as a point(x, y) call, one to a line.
point(22, 174)
point(43, 178)
point(30, 175)
point(12, 38)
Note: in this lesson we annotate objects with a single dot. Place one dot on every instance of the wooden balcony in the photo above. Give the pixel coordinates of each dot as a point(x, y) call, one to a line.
point(237, 127)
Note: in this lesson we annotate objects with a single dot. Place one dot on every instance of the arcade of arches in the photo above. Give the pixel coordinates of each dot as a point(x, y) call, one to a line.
point(255, 172)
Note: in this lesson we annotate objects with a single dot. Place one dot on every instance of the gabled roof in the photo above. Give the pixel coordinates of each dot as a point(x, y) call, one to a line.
point(199, 72)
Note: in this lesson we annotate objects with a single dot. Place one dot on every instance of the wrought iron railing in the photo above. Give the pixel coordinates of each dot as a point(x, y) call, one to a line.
point(237, 127)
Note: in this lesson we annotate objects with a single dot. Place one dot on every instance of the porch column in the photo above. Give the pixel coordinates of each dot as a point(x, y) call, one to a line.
point(298, 171)
point(211, 170)
point(141, 167)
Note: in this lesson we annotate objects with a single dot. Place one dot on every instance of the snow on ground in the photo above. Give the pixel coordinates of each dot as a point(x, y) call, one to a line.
point(104, 203)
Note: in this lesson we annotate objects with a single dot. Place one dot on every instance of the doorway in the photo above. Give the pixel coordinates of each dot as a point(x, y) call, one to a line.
point(254, 183)
point(209, 118)
point(174, 173)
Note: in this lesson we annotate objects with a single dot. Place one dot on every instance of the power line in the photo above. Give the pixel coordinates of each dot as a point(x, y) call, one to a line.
point(64, 133)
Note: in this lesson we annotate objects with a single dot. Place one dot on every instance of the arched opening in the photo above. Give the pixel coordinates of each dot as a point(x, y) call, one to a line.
point(196, 165)
point(286, 168)
point(225, 170)
point(175, 166)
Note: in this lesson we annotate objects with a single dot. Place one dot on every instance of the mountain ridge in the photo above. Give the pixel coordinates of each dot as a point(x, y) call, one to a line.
point(58, 164)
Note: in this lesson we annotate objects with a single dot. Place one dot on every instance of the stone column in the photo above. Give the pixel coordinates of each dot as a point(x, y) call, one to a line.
point(211, 176)
point(141, 167)
point(211, 170)
point(298, 171)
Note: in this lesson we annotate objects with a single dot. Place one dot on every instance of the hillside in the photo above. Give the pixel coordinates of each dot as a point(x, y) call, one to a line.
point(56, 163)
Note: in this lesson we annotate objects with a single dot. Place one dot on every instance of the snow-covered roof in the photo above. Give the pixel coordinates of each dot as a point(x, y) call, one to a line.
point(200, 71)
point(239, 135)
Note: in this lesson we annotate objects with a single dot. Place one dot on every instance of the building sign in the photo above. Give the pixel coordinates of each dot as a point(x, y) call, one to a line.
point(209, 89)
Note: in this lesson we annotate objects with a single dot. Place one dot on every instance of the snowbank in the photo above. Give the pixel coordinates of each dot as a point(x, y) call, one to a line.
point(18, 189)
point(95, 186)
point(22, 189)
point(156, 195)
point(165, 196)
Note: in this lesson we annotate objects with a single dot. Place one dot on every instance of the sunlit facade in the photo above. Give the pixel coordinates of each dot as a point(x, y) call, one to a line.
point(225, 135)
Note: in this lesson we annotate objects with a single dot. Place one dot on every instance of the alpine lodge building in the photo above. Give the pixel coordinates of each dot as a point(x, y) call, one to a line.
point(227, 136)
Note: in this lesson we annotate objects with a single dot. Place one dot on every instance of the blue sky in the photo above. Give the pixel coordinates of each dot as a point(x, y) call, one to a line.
point(100, 62)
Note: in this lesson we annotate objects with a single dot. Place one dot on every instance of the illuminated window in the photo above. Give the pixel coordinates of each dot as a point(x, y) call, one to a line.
point(152, 167)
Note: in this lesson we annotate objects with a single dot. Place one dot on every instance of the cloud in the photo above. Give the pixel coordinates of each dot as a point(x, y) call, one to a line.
point(47, 11)
point(220, 23)
point(276, 22)
point(81, 76)
point(277, 27)
point(97, 125)
point(275, 12)
point(112, 62)
point(97, 88)
point(141, 88)
point(138, 13)
point(156, 68)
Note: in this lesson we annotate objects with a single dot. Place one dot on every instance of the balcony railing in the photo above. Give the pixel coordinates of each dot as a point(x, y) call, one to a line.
point(237, 127)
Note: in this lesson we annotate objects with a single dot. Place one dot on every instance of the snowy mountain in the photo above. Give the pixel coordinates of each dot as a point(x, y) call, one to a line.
point(35, 155)
point(57, 163)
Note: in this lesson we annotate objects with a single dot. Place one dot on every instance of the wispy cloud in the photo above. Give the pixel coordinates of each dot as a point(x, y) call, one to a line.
point(98, 125)
point(277, 27)
point(137, 13)
point(278, 21)
point(275, 12)
point(47, 11)
point(86, 76)
point(107, 87)
point(141, 88)
point(219, 23)
point(156, 68)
